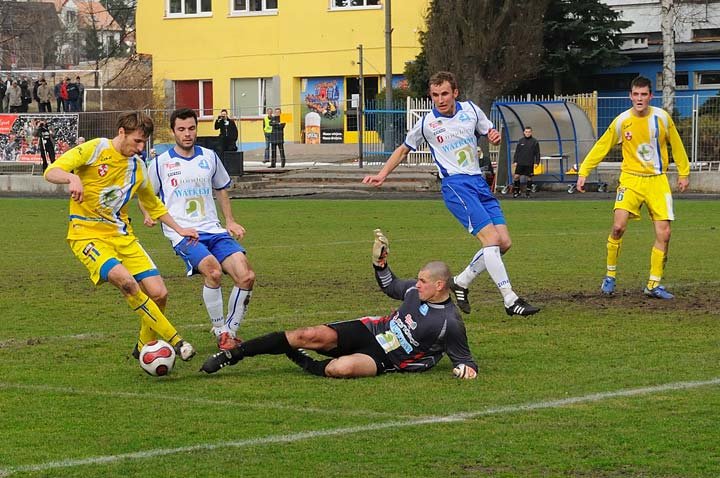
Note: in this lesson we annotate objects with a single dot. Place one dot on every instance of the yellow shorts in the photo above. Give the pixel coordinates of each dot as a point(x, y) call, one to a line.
point(653, 191)
point(100, 255)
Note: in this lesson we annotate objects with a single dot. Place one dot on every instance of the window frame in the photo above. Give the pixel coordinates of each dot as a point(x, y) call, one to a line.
point(248, 13)
point(697, 76)
point(334, 8)
point(659, 83)
point(201, 98)
point(263, 83)
point(182, 14)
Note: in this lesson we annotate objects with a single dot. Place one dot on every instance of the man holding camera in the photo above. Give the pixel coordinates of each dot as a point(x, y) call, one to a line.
point(228, 131)
point(45, 142)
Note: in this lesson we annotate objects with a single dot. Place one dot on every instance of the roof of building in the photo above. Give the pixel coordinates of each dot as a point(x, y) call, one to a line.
point(94, 15)
point(682, 50)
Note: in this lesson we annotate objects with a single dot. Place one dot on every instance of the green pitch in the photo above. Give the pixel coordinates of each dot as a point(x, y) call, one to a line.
point(590, 387)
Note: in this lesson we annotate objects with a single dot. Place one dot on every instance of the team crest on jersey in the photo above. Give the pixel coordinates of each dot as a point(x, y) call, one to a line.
point(204, 164)
point(464, 117)
point(646, 152)
point(103, 170)
point(111, 198)
point(628, 135)
point(423, 310)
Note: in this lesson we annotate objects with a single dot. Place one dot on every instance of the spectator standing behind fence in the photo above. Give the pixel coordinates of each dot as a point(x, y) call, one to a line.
point(64, 95)
point(228, 131)
point(3, 91)
point(35, 86)
point(267, 129)
point(73, 96)
point(81, 94)
point(527, 155)
point(14, 97)
point(58, 96)
point(644, 132)
point(278, 138)
point(25, 94)
point(46, 146)
point(44, 97)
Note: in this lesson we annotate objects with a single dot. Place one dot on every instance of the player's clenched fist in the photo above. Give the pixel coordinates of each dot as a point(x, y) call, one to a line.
point(381, 249)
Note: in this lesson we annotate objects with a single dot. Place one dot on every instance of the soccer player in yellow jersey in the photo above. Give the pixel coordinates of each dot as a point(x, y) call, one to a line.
point(102, 177)
point(645, 132)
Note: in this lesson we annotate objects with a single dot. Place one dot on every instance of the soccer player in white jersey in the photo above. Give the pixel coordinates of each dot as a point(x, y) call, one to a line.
point(451, 130)
point(185, 177)
point(644, 132)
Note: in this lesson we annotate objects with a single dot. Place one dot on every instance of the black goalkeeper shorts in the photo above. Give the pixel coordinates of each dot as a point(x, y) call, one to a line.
point(355, 338)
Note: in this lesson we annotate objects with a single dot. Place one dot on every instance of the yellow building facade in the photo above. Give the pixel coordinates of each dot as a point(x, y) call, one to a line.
point(299, 55)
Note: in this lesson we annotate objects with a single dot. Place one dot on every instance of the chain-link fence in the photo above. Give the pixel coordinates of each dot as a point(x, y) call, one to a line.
point(319, 125)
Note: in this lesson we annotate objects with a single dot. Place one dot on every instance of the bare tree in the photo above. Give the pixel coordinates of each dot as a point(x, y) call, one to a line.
point(27, 34)
point(668, 39)
point(490, 45)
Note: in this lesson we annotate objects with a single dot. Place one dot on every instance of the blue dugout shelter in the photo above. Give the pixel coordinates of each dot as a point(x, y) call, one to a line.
point(563, 130)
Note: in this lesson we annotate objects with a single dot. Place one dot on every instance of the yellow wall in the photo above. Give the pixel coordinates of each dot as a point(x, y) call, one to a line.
point(305, 39)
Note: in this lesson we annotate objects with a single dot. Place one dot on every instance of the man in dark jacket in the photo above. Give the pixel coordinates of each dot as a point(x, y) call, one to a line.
point(527, 155)
point(228, 131)
point(413, 338)
point(73, 92)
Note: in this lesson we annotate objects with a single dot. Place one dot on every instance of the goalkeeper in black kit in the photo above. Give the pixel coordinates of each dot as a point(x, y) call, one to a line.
point(411, 339)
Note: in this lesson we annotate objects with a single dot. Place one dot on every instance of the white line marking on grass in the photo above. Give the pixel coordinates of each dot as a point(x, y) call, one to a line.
point(196, 400)
point(18, 342)
point(308, 435)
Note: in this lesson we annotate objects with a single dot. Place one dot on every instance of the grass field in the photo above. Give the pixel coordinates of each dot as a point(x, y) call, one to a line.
point(590, 387)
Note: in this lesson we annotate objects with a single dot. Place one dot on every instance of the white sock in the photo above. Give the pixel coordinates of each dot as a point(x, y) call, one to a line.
point(214, 304)
point(496, 269)
point(237, 306)
point(475, 268)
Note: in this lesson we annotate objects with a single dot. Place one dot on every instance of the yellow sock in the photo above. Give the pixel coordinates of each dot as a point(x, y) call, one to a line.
point(657, 267)
point(147, 334)
point(152, 318)
point(613, 252)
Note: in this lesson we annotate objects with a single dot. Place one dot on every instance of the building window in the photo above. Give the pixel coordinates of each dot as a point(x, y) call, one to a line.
point(682, 80)
point(706, 34)
point(707, 80)
point(196, 95)
point(252, 95)
point(253, 7)
point(184, 8)
point(354, 4)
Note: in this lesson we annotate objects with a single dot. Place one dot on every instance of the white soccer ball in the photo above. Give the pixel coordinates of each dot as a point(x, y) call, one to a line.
point(157, 358)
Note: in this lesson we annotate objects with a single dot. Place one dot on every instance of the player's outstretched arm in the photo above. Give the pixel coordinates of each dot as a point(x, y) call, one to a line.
point(393, 161)
point(189, 232)
point(381, 248)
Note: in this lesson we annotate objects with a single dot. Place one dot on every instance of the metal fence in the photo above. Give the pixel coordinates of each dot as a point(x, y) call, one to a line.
point(697, 118)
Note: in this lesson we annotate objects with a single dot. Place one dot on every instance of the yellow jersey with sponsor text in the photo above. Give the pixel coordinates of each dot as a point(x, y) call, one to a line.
point(644, 144)
point(109, 181)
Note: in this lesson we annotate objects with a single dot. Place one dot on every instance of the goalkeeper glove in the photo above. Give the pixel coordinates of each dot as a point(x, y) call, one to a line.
point(380, 249)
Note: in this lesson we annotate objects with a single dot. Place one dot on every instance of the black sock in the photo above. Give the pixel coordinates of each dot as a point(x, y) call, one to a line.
point(516, 186)
point(274, 343)
point(307, 363)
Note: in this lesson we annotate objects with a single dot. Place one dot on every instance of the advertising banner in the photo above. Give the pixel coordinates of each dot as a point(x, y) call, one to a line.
point(324, 96)
point(17, 135)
